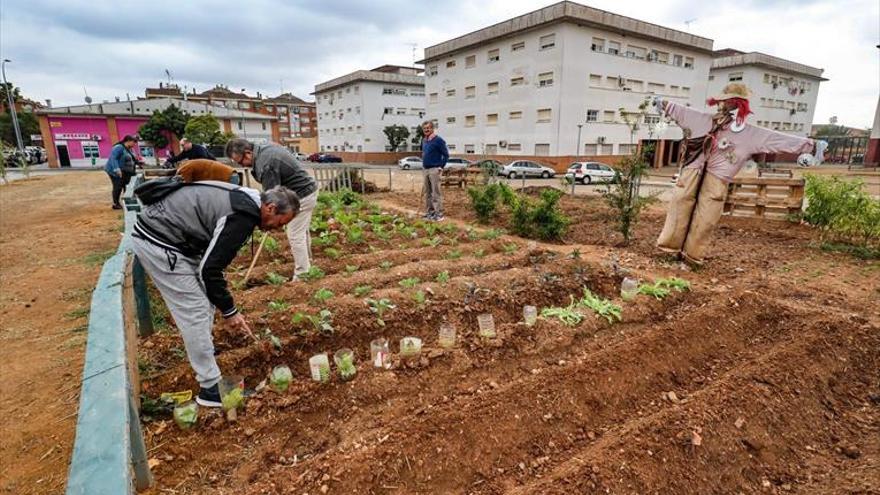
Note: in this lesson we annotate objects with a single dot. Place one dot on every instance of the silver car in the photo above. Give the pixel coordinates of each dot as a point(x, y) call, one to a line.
point(409, 162)
point(458, 163)
point(526, 168)
point(589, 172)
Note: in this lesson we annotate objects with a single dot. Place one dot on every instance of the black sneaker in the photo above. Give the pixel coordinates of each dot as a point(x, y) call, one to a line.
point(438, 218)
point(117, 207)
point(209, 397)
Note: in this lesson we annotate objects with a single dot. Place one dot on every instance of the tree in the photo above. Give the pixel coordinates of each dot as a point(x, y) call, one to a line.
point(204, 129)
point(27, 122)
point(831, 130)
point(419, 135)
point(397, 135)
point(162, 125)
point(4, 90)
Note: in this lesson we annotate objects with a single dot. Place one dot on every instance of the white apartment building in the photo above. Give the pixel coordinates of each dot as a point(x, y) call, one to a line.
point(784, 93)
point(522, 86)
point(353, 110)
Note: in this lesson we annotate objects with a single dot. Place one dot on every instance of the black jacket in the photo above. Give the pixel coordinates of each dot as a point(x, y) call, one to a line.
point(207, 221)
point(275, 166)
point(197, 151)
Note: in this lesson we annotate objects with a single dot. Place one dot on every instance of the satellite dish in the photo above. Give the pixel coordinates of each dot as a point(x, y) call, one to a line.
point(89, 100)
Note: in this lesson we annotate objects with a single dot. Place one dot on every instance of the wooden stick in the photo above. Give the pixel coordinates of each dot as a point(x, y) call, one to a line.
point(247, 275)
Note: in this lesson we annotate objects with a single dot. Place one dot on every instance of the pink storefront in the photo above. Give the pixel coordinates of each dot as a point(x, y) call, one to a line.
point(82, 138)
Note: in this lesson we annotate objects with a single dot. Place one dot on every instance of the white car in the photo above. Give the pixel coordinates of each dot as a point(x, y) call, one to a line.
point(453, 163)
point(409, 162)
point(526, 168)
point(590, 172)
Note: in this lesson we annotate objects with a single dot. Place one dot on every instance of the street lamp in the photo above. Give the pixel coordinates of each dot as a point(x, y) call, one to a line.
point(578, 151)
point(12, 106)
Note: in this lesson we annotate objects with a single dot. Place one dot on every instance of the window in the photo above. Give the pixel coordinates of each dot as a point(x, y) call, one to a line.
point(239, 125)
point(470, 92)
point(614, 47)
point(494, 55)
point(469, 148)
point(673, 90)
point(652, 119)
point(432, 98)
point(634, 85)
point(547, 42)
point(450, 64)
point(735, 76)
point(387, 91)
point(689, 62)
point(357, 111)
point(418, 94)
point(598, 45)
point(660, 57)
point(711, 77)
point(520, 45)
point(492, 88)
point(544, 115)
point(612, 82)
point(491, 149)
point(388, 110)
point(450, 120)
point(264, 125)
point(90, 149)
point(470, 120)
point(608, 116)
point(677, 60)
point(656, 88)
point(625, 149)
point(492, 119)
point(401, 111)
point(514, 147)
point(591, 150)
point(470, 62)
point(592, 115)
point(432, 71)
point(348, 110)
point(450, 93)
point(358, 88)
point(763, 102)
point(595, 80)
point(515, 115)
point(545, 79)
point(451, 147)
point(517, 81)
point(685, 91)
point(636, 52)
point(542, 149)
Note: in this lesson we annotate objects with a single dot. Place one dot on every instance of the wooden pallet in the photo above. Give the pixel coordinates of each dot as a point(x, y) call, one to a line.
point(765, 197)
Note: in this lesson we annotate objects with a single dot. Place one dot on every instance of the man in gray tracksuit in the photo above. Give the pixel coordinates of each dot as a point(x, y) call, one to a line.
point(185, 240)
point(273, 165)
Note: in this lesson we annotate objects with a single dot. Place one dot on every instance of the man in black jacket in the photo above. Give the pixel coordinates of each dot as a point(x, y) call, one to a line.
point(185, 241)
point(189, 151)
point(273, 165)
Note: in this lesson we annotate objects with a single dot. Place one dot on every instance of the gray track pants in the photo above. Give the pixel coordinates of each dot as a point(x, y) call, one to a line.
point(184, 294)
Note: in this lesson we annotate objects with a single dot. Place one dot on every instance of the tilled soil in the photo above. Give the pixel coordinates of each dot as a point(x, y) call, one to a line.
point(764, 378)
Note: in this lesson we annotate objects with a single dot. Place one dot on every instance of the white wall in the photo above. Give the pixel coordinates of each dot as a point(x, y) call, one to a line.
point(361, 106)
point(767, 114)
point(571, 62)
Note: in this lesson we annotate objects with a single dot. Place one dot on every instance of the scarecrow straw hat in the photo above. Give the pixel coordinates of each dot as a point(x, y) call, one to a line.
point(733, 90)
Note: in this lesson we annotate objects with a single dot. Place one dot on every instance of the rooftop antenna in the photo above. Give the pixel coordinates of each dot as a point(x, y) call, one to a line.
point(413, 46)
point(688, 22)
point(88, 99)
point(168, 73)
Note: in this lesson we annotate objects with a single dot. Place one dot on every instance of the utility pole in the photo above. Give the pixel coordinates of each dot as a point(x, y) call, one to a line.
point(578, 151)
point(12, 106)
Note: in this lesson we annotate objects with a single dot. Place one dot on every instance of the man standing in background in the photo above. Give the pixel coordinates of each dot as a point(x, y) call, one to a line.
point(189, 151)
point(434, 157)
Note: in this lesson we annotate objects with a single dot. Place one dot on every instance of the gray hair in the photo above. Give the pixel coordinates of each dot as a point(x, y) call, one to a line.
point(428, 122)
point(283, 198)
point(238, 146)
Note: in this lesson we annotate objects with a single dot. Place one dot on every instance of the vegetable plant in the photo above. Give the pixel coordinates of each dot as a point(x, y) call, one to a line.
point(349, 269)
point(271, 245)
point(409, 283)
point(322, 295)
point(602, 307)
point(332, 253)
point(355, 235)
point(675, 283)
point(326, 239)
point(492, 234)
point(432, 242)
point(419, 297)
point(275, 279)
point(454, 254)
point(313, 273)
point(186, 415)
point(345, 365)
point(278, 305)
point(484, 201)
point(385, 265)
point(568, 315)
point(322, 322)
point(654, 290)
point(442, 277)
point(280, 378)
point(233, 399)
point(273, 339)
point(379, 307)
point(362, 290)
point(510, 248)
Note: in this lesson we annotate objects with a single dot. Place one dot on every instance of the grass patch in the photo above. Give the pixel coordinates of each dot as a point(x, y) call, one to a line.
point(77, 313)
point(98, 258)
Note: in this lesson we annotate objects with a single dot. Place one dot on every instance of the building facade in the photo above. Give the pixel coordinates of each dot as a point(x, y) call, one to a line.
point(297, 121)
point(784, 93)
point(353, 110)
point(78, 134)
point(562, 80)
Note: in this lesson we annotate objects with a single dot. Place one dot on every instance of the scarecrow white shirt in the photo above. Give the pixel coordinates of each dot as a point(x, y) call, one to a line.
point(735, 144)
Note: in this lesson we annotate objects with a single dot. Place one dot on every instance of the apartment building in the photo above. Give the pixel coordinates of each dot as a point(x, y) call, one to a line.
point(784, 93)
point(530, 85)
point(297, 120)
point(353, 110)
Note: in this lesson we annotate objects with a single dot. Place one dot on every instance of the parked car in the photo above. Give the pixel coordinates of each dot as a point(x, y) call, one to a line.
point(409, 162)
point(458, 163)
point(314, 157)
point(526, 168)
point(301, 156)
point(328, 158)
point(589, 172)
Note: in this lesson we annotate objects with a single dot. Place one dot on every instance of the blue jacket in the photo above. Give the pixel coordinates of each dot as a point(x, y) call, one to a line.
point(116, 160)
point(434, 152)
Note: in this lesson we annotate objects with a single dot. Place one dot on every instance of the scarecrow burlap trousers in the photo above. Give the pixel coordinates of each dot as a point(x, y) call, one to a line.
point(692, 240)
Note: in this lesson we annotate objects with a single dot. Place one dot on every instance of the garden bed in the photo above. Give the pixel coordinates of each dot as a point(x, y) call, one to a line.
point(761, 377)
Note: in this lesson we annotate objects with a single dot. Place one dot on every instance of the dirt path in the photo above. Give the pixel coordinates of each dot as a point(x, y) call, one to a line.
point(55, 233)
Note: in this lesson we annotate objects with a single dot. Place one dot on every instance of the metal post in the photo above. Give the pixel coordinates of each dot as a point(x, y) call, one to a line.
point(389, 180)
point(577, 153)
point(12, 106)
point(524, 180)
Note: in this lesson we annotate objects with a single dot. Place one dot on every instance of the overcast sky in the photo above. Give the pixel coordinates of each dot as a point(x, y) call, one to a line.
point(58, 47)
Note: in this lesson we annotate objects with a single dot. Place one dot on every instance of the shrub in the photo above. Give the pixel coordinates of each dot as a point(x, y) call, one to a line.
point(623, 196)
point(484, 201)
point(843, 211)
point(542, 219)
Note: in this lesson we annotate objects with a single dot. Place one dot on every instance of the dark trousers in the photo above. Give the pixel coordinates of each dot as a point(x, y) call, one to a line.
point(119, 184)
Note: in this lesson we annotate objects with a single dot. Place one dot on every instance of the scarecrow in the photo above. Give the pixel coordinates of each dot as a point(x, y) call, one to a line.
point(714, 148)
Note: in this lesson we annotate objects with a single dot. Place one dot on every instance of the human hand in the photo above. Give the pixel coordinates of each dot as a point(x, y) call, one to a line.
point(239, 324)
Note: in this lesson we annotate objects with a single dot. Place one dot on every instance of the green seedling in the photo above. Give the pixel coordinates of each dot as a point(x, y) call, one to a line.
point(345, 365)
point(409, 283)
point(232, 399)
point(473, 235)
point(355, 235)
point(432, 242)
point(568, 315)
point(280, 378)
point(322, 295)
point(362, 290)
point(448, 228)
point(271, 245)
point(385, 266)
point(575, 254)
point(510, 248)
point(325, 240)
point(322, 322)
point(186, 415)
point(275, 279)
point(602, 307)
point(442, 277)
point(407, 232)
point(278, 305)
point(273, 339)
point(379, 307)
point(313, 273)
point(480, 253)
point(382, 234)
point(349, 269)
point(419, 297)
point(492, 234)
point(332, 253)
point(454, 254)
point(430, 228)
point(654, 290)
point(675, 283)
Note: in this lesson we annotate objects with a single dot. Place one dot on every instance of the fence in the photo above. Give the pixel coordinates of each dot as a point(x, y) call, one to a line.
point(765, 197)
point(109, 453)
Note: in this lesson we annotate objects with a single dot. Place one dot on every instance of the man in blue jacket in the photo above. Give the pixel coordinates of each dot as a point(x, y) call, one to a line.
point(434, 157)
